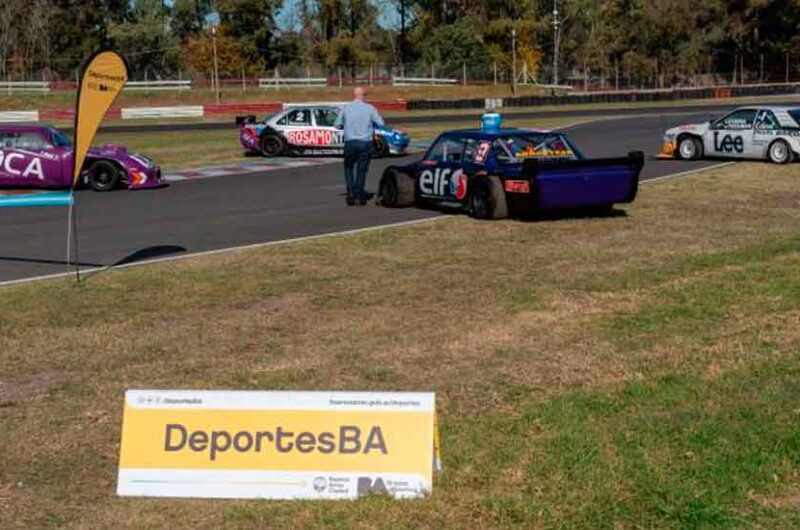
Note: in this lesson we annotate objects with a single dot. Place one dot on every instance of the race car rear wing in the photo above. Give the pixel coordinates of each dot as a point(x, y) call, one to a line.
point(243, 120)
point(532, 166)
point(559, 182)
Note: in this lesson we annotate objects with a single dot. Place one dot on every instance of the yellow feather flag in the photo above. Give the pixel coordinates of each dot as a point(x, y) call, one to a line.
point(103, 78)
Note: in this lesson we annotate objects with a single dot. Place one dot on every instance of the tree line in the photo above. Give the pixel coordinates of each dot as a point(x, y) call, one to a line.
point(664, 42)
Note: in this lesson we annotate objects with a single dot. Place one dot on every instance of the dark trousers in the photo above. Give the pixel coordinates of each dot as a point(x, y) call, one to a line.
point(357, 155)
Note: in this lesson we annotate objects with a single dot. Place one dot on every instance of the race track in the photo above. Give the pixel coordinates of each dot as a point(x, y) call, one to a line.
point(200, 215)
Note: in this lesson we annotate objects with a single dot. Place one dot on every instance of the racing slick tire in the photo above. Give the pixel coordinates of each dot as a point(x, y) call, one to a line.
point(779, 152)
point(103, 176)
point(689, 148)
point(380, 148)
point(488, 199)
point(272, 145)
point(396, 189)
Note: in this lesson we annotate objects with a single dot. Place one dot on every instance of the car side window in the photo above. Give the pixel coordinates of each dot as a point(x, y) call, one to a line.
point(22, 140)
point(766, 120)
point(299, 117)
point(737, 120)
point(446, 150)
point(325, 117)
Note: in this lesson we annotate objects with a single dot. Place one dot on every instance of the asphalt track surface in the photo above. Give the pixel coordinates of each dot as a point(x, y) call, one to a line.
point(122, 227)
point(468, 114)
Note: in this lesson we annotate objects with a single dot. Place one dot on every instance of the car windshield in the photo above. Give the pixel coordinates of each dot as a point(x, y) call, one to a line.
point(59, 139)
point(514, 148)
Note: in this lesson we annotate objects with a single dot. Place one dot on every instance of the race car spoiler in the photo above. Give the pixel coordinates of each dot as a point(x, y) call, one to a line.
point(243, 120)
point(533, 166)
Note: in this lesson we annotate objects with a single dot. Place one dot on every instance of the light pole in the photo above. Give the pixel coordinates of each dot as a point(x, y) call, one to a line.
point(514, 61)
point(556, 41)
point(216, 67)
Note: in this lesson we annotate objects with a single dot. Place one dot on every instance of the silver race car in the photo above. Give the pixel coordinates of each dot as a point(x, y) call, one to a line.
point(771, 133)
point(308, 127)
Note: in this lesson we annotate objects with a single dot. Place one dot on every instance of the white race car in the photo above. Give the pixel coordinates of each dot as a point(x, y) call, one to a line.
point(771, 133)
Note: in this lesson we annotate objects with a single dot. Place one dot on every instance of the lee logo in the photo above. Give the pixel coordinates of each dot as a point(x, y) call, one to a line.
point(729, 143)
point(443, 182)
point(14, 165)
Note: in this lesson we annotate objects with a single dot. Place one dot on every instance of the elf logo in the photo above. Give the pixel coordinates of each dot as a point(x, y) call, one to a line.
point(443, 182)
point(729, 143)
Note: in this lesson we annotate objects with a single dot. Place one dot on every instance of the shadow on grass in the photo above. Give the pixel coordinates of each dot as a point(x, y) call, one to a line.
point(143, 254)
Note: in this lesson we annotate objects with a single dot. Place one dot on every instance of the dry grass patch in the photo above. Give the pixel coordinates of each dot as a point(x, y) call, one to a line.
point(576, 360)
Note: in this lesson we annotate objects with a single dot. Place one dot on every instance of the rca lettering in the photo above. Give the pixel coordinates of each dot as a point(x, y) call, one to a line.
point(728, 143)
point(349, 439)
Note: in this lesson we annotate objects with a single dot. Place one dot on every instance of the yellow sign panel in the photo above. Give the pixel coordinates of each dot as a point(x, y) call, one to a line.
point(276, 444)
point(103, 79)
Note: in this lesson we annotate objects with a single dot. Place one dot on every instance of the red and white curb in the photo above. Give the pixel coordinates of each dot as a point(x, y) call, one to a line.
point(260, 166)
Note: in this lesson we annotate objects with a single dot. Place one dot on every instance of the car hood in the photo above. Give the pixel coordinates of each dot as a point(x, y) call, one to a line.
point(695, 128)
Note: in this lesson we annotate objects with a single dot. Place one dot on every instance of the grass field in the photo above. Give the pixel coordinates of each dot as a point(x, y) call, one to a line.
point(639, 370)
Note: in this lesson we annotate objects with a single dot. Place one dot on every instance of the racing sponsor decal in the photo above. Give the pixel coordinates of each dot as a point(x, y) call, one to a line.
point(317, 137)
point(532, 152)
point(482, 152)
point(443, 182)
point(14, 164)
point(728, 143)
point(517, 186)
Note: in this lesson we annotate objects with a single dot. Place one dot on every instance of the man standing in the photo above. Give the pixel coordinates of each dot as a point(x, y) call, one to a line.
point(358, 119)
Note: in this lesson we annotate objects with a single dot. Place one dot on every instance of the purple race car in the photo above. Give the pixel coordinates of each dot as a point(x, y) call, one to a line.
point(42, 157)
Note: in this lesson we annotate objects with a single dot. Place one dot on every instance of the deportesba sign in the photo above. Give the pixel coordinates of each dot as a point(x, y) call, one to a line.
point(277, 445)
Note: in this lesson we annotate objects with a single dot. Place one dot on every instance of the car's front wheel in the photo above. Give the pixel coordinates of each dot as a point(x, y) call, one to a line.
point(779, 152)
point(103, 176)
point(487, 200)
point(379, 147)
point(272, 145)
point(689, 148)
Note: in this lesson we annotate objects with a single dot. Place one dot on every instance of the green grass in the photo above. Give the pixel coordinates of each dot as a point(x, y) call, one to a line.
point(624, 372)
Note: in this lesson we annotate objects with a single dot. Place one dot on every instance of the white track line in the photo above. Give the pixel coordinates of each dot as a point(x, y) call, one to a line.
point(297, 239)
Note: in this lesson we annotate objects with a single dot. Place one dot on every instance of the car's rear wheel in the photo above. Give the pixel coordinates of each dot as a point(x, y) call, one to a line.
point(487, 200)
point(689, 148)
point(379, 147)
point(396, 189)
point(779, 152)
point(272, 145)
point(104, 176)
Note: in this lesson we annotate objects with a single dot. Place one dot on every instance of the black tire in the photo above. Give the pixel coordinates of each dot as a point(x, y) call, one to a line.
point(380, 148)
point(396, 189)
point(104, 175)
point(688, 148)
point(779, 152)
point(272, 145)
point(487, 199)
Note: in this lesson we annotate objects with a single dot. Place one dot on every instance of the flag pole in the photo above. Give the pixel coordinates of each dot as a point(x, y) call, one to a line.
point(72, 237)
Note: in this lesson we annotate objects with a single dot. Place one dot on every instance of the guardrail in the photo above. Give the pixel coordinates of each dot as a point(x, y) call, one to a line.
point(162, 84)
point(277, 82)
point(422, 81)
point(24, 86)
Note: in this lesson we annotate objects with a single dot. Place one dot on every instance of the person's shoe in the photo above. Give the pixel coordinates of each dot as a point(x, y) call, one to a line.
point(350, 201)
point(362, 201)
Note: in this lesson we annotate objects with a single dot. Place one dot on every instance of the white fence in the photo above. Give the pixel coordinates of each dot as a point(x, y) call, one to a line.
point(24, 86)
point(162, 84)
point(422, 81)
point(277, 82)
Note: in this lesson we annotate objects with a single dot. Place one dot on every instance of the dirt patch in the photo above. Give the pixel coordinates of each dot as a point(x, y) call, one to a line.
point(29, 387)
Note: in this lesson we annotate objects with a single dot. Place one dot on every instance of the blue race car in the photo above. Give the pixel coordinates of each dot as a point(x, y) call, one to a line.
point(495, 173)
point(308, 128)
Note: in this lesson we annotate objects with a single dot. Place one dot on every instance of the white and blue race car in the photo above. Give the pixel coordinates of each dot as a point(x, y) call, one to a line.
point(304, 128)
point(768, 133)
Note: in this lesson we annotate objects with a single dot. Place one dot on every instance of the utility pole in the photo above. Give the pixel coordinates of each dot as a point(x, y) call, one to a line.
point(556, 41)
point(216, 67)
point(514, 61)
